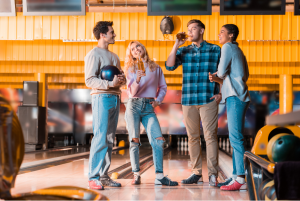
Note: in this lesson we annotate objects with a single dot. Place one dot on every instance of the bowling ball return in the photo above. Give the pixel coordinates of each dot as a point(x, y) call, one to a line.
point(278, 141)
point(12, 149)
point(108, 72)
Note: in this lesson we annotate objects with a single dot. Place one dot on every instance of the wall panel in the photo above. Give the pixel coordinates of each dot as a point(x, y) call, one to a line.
point(130, 26)
point(57, 50)
point(31, 44)
point(21, 25)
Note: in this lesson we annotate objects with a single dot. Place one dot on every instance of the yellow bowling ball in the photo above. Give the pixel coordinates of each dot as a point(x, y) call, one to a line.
point(122, 143)
point(114, 175)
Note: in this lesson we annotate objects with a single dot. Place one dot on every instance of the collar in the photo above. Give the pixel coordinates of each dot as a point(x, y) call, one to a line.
point(235, 43)
point(201, 44)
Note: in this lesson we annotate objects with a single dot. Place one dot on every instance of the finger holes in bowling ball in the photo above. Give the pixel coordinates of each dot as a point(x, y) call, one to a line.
point(284, 148)
point(271, 143)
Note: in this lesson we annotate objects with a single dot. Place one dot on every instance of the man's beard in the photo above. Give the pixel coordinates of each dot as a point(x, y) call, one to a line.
point(112, 41)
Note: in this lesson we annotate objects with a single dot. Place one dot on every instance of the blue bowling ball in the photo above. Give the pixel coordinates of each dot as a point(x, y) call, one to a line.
point(108, 72)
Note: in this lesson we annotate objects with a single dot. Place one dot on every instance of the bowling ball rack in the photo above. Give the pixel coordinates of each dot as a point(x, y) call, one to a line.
point(259, 169)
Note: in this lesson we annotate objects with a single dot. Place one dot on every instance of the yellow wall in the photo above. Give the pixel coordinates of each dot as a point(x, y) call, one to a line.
point(139, 26)
point(31, 45)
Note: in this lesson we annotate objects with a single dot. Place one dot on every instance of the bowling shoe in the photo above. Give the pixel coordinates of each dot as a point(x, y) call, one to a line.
point(227, 181)
point(234, 185)
point(136, 180)
point(213, 180)
point(165, 181)
point(95, 184)
point(193, 179)
point(110, 182)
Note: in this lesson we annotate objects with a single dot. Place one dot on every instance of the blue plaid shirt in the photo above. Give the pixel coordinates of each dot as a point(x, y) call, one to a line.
point(196, 63)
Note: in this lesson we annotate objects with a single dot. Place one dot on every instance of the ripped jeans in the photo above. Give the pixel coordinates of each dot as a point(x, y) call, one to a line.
point(140, 110)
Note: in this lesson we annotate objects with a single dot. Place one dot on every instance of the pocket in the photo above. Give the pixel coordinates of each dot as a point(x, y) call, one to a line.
point(149, 107)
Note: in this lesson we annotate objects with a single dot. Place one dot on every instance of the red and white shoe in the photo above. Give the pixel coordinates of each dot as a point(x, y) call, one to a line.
point(234, 185)
point(95, 184)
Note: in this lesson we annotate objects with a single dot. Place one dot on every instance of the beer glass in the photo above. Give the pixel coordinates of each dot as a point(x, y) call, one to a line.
point(141, 64)
point(181, 36)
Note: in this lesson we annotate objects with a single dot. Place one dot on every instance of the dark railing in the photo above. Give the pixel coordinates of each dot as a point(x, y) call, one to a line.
point(267, 165)
point(258, 170)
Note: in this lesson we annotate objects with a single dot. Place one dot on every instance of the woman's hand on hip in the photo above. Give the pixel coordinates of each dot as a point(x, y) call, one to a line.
point(154, 103)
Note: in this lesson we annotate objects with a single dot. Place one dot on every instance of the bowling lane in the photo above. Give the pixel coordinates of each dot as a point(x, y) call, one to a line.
point(74, 173)
point(41, 155)
point(176, 166)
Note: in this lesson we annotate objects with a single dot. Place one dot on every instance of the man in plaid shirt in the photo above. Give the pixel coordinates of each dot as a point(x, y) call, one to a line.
point(200, 98)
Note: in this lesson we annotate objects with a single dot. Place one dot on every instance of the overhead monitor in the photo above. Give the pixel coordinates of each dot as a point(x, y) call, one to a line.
point(7, 8)
point(53, 7)
point(252, 7)
point(297, 8)
point(178, 7)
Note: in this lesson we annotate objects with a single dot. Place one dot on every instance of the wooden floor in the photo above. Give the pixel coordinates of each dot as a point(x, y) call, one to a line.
point(176, 166)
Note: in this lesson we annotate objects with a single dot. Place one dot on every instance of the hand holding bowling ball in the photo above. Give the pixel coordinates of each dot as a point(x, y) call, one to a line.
point(112, 73)
point(139, 74)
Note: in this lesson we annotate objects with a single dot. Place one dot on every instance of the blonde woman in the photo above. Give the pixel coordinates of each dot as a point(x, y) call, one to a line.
point(146, 90)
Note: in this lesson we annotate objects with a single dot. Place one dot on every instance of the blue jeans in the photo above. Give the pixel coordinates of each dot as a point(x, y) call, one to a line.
point(105, 109)
point(236, 111)
point(140, 110)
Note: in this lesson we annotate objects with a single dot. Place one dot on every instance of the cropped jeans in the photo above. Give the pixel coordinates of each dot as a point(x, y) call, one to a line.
point(236, 111)
point(105, 109)
point(140, 110)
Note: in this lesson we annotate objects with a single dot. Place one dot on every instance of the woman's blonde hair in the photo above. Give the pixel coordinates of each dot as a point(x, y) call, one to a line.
point(131, 64)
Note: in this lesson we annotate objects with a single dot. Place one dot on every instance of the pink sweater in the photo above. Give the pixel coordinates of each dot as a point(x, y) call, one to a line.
point(153, 85)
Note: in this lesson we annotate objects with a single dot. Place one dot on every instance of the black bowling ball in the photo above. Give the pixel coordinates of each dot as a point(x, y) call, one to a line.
point(108, 72)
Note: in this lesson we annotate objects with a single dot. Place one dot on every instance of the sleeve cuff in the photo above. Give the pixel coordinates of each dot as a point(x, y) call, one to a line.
point(219, 75)
point(158, 100)
point(135, 84)
point(169, 66)
point(110, 84)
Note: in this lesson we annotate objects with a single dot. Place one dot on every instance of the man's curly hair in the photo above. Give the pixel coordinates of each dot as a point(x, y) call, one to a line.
point(101, 27)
